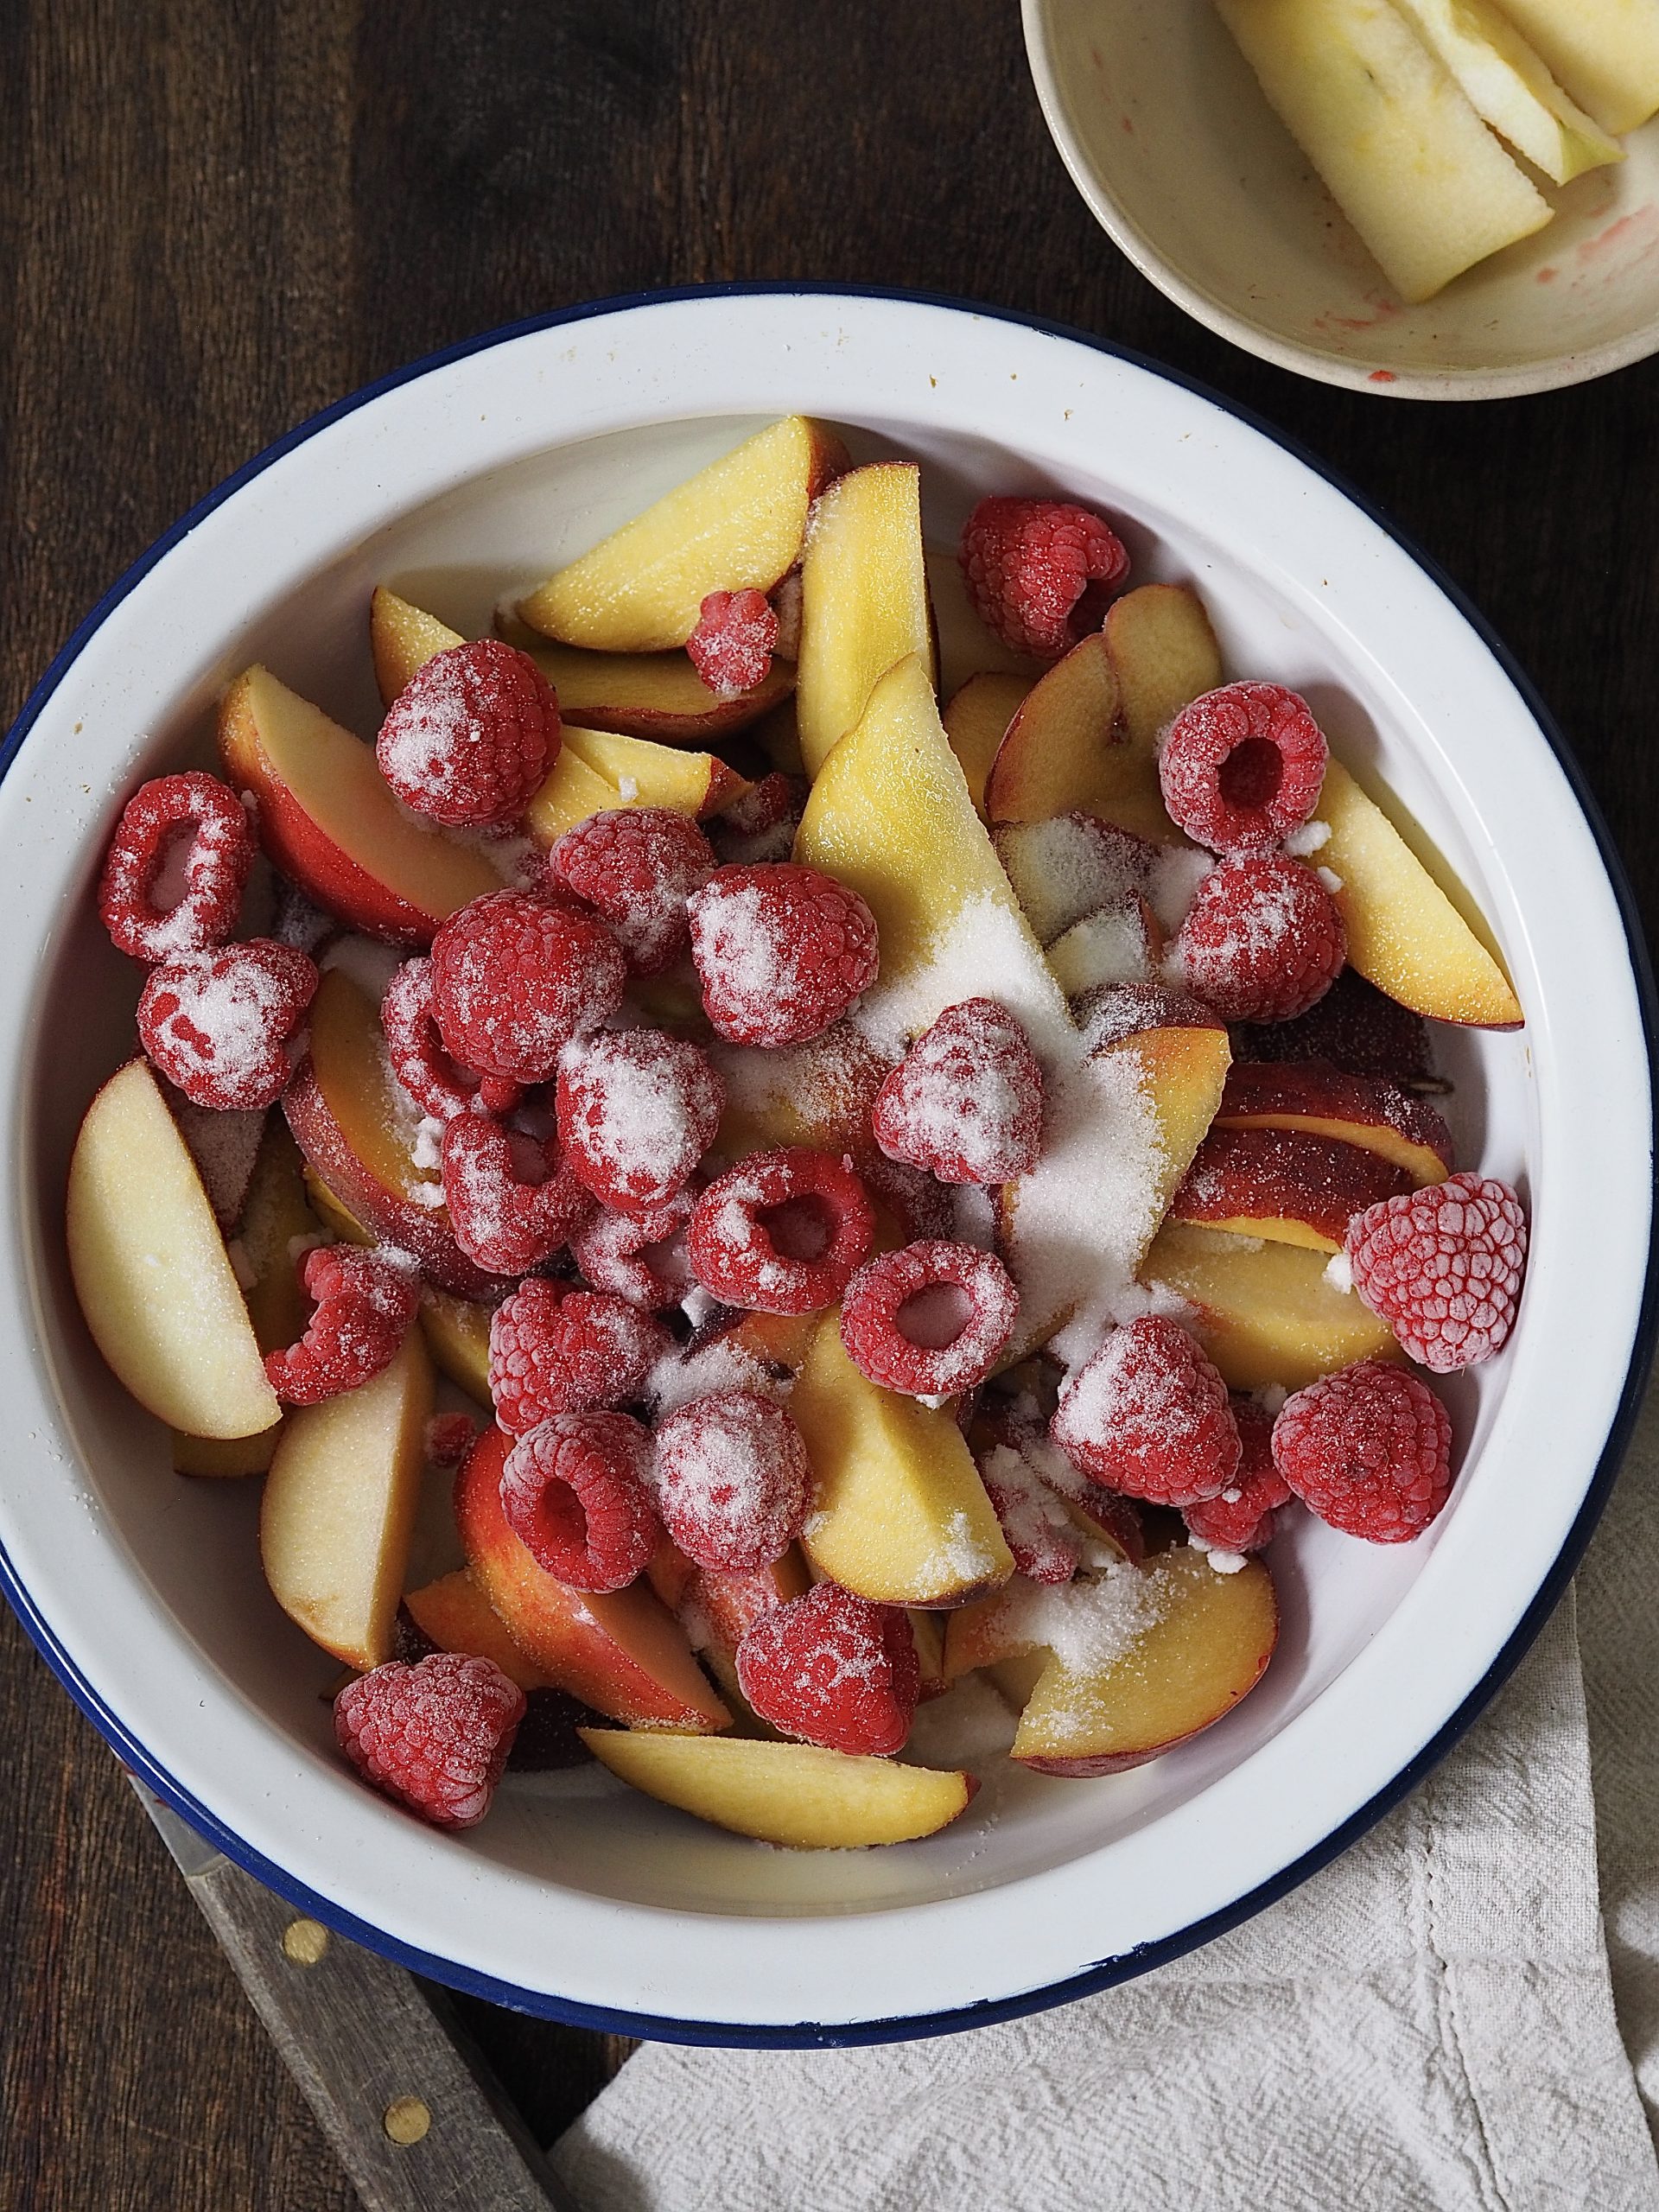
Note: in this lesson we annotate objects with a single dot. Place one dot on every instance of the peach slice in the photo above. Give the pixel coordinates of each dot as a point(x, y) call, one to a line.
point(1165, 655)
point(736, 525)
point(150, 1268)
point(598, 770)
point(1266, 1313)
point(977, 721)
point(403, 638)
point(899, 1514)
point(863, 599)
point(456, 1616)
point(718, 1607)
point(1064, 752)
point(622, 1652)
point(457, 1331)
point(966, 646)
point(355, 1132)
point(1072, 864)
point(340, 1504)
point(819, 1093)
point(1284, 1184)
point(928, 1628)
point(328, 819)
point(1119, 944)
point(1319, 1100)
point(276, 1217)
point(792, 1795)
point(1405, 934)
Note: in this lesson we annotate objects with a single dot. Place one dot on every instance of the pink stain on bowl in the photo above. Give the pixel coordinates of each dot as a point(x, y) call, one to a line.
point(1546, 276)
point(1383, 376)
point(1639, 231)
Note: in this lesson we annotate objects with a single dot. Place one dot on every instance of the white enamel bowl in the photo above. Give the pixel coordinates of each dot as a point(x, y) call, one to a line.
point(1170, 140)
point(482, 469)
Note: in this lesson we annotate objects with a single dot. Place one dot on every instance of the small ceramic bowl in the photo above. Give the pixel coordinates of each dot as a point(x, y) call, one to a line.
point(1171, 141)
point(476, 473)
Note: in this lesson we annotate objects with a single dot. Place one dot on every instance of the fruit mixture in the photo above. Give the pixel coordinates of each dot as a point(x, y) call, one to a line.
point(844, 1206)
point(1414, 111)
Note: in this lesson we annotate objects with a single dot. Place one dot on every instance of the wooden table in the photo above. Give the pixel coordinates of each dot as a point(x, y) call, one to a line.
point(214, 219)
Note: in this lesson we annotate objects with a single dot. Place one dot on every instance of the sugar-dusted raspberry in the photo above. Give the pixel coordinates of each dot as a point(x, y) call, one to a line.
point(732, 646)
point(366, 1306)
point(1148, 1415)
point(1242, 767)
point(1356, 1027)
point(449, 1438)
point(221, 1024)
point(471, 735)
point(929, 1320)
point(1442, 1265)
point(637, 865)
point(1039, 1531)
point(761, 825)
point(782, 951)
point(554, 1351)
point(835, 1670)
point(176, 868)
point(513, 1201)
point(966, 1102)
point(781, 1232)
point(637, 1111)
point(434, 1736)
point(1367, 1449)
point(1262, 940)
point(436, 1082)
point(575, 1494)
point(733, 1480)
point(1039, 572)
point(515, 977)
point(638, 1256)
point(1240, 1519)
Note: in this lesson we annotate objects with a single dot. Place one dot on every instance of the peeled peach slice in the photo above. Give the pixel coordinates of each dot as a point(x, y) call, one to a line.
point(792, 1795)
point(340, 1504)
point(863, 599)
point(622, 1652)
point(329, 819)
point(1319, 1100)
point(457, 1331)
point(736, 525)
point(1266, 1312)
point(977, 721)
point(1165, 655)
point(1283, 1184)
point(598, 770)
point(899, 1514)
point(1404, 933)
point(150, 1268)
point(403, 638)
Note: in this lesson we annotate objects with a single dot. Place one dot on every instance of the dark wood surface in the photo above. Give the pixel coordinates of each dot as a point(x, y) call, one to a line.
point(214, 219)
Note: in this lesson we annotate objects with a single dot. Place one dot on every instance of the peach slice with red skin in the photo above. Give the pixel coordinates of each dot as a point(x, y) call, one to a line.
point(716, 1607)
point(1323, 1101)
point(1165, 655)
point(623, 1652)
point(346, 1117)
point(454, 1613)
point(1285, 1185)
point(329, 819)
point(1064, 752)
point(1265, 1313)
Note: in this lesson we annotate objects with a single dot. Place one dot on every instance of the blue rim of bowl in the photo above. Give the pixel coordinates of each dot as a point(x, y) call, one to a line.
point(1105, 1973)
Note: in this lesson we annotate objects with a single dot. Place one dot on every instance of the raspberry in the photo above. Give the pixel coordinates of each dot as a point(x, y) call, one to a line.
point(574, 1494)
point(637, 1111)
point(191, 818)
point(781, 952)
point(1442, 1265)
point(1242, 767)
point(1354, 1027)
point(1149, 1415)
point(449, 1438)
point(434, 1736)
point(1040, 1531)
point(1262, 940)
point(559, 1352)
point(513, 1202)
point(930, 1320)
point(1368, 1450)
point(636, 866)
point(781, 1232)
point(220, 1024)
point(761, 825)
point(438, 1085)
point(470, 736)
point(364, 1308)
point(638, 1256)
point(733, 1480)
point(1039, 572)
point(515, 977)
point(1240, 1519)
point(966, 1102)
point(732, 646)
point(835, 1670)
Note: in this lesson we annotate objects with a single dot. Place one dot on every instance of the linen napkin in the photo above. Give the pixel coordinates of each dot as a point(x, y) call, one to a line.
point(1432, 2022)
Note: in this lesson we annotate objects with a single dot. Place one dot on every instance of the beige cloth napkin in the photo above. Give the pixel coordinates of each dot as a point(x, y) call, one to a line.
point(1432, 2022)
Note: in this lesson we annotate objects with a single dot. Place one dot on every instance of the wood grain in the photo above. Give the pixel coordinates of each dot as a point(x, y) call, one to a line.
point(214, 220)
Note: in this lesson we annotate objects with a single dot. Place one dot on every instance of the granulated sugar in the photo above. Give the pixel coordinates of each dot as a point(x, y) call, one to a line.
point(1088, 1624)
point(729, 1363)
point(1071, 866)
point(986, 952)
